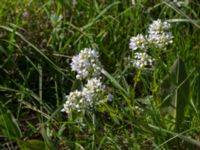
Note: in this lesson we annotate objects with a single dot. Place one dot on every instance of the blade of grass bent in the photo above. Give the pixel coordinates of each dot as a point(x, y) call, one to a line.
point(35, 48)
point(101, 14)
point(169, 4)
point(114, 81)
point(177, 135)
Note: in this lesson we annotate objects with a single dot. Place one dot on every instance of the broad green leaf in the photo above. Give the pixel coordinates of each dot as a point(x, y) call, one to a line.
point(174, 92)
point(32, 145)
point(196, 90)
point(8, 124)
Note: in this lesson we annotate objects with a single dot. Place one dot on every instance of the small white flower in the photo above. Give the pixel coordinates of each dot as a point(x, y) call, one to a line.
point(138, 42)
point(139, 109)
point(110, 97)
point(159, 34)
point(73, 102)
point(161, 40)
point(142, 59)
point(86, 64)
point(158, 27)
point(93, 91)
point(133, 3)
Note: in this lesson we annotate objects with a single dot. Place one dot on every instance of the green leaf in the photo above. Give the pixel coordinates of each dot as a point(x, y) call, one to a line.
point(196, 90)
point(47, 140)
point(32, 145)
point(8, 124)
point(174, 92)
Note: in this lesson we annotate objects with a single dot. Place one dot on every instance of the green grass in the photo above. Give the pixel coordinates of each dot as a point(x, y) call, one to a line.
point(37, 42)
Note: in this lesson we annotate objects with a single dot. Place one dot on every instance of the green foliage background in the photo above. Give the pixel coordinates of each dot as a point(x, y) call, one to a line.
point(37, 41)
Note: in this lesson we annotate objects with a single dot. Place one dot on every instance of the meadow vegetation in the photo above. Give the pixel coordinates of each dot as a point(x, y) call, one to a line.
point(71, 75)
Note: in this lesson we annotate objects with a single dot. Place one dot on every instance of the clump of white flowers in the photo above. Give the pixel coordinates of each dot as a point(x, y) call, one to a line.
point(73, 101)
point(86, 64)
point(158, 36)
point(93, 92)
point(158, 27)
point(138, 42)
point(142, 59)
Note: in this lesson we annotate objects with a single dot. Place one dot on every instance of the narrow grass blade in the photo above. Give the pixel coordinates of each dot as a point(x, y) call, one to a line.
point(177, 135)
point(35, 48)
point(8, 124)
point(114, 81)
point(101, 14)
point(32, 145)
point(174, 7)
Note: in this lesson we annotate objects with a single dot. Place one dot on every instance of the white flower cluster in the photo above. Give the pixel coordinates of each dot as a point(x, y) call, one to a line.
point(142, 59)
point(86, 64)
point(158, 27)
point(159, 35)
point(80, 100)
point(92, 90)
point(74, 100)
point(138, 42)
